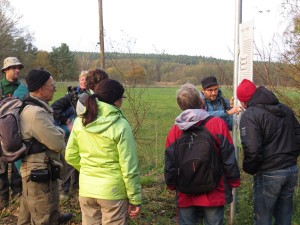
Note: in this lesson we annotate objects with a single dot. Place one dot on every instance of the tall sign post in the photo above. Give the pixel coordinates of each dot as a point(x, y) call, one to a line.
point(243, 69)
point(246, 52)
point(238, 21)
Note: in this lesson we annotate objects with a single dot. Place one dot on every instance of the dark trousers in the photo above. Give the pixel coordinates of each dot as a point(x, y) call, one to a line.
point(70, 179)
point(15, 181)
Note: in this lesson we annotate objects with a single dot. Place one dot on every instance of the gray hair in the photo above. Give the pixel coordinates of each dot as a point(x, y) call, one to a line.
point(188, 97)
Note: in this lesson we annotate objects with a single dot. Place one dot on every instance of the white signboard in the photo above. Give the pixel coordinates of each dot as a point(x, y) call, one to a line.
point(246, 52)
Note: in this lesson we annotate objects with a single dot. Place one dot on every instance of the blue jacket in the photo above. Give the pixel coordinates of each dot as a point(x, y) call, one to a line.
point(216, 108)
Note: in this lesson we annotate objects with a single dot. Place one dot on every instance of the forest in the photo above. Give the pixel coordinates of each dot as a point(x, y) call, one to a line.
point(273, 66)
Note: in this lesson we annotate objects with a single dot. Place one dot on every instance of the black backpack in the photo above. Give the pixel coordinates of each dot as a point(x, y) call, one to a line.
point(197, 161)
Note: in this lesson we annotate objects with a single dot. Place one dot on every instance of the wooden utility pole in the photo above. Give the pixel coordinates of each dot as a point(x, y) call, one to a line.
point(101, 39)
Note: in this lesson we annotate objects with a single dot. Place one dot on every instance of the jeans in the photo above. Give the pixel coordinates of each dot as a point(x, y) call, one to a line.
point(273, 196)
point(211, 215)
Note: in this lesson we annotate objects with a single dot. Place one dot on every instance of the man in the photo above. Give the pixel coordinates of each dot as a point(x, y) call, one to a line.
point(41, 167)
point(64, 112)
point(270, 136)
point(210, 204)
point(216, 105)
point(8, 85)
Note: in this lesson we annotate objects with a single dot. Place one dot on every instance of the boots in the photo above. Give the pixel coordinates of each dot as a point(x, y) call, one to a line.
point(3, 203)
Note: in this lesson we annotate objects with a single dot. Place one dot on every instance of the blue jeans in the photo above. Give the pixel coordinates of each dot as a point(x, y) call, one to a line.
point(273, 196)
point(211, 215)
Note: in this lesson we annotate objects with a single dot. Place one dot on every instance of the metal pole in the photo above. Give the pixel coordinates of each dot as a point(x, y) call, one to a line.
point(101, 39)
point(238, 21)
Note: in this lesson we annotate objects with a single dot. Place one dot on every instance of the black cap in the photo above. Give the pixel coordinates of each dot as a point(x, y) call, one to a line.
point(36, 79)
point(109, 91)
point(209, 81)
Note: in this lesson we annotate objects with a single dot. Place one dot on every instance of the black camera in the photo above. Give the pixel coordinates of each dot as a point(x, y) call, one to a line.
point(73, 95)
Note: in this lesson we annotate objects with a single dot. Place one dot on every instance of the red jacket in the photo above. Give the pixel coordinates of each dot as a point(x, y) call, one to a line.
point(222, 194)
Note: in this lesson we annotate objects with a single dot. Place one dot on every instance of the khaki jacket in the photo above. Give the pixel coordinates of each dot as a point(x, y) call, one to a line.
point(38, 122)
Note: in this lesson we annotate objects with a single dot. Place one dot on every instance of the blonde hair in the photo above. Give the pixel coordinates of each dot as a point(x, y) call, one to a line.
point(83, 73)
point(188, 97)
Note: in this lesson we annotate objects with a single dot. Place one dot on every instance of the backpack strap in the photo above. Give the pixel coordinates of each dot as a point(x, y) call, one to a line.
point(206, 120)
point(34, 146)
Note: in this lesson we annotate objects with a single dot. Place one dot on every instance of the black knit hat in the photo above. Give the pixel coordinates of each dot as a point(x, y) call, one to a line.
point(36, 79)
point(209, 81)
point(109, 91)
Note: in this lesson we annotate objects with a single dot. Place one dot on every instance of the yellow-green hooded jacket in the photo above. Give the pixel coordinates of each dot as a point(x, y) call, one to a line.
point(104, 152)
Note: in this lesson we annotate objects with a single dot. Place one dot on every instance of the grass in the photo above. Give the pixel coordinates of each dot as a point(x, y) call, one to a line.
point(158, 204)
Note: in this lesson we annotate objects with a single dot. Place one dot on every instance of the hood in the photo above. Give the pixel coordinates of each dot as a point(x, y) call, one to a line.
point(107, 116)
point(264, 98)
point(190, 117)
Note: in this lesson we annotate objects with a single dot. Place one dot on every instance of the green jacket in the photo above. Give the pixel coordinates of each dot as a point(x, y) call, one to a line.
point(8, 88)
point(105, 154)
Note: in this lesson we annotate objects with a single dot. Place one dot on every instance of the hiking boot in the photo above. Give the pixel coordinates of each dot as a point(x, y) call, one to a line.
point(3, 204)
point(64, 218)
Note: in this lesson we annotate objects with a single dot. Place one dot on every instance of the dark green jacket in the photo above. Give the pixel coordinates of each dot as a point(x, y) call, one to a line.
point(8, 88)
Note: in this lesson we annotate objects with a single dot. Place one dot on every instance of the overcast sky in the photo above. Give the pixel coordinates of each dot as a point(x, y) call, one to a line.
point(191, 27)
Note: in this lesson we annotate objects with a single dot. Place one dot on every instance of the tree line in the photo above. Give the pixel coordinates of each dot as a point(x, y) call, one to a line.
point(144, 69)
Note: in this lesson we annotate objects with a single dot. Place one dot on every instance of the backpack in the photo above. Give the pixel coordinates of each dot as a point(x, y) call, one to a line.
point(12, 146)
point(197, 161)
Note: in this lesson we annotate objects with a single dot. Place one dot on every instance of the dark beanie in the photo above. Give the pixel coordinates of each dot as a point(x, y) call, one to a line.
point(209, 81)
point(36, 79)
point(109, 91)
point(245, 90)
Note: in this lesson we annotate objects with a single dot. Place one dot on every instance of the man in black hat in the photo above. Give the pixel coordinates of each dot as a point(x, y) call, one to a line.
point(41, 167)
point(215, 104)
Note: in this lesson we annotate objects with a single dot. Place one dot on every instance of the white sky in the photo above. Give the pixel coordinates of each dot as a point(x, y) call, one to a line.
point(190, 27)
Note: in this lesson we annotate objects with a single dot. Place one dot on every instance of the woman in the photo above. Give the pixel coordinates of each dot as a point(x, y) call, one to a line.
point(210, 204)
point(102, 148)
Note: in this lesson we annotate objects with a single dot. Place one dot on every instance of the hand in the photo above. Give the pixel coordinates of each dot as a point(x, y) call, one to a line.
point(235, 110)
point(232, 102)
point(133, 211)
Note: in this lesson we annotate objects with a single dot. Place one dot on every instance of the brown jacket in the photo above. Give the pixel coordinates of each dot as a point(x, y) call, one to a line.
point(38, 122)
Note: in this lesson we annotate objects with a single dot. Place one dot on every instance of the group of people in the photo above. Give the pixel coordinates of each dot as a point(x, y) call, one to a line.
point(270, 138)
point(86, 138)
point(97, 142)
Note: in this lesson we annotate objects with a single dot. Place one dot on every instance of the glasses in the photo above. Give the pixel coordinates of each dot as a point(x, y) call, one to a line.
point(15, 67)
point(210, 90)
point(51, 85)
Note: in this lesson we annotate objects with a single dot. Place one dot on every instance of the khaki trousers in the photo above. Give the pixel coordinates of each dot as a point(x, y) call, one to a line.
point(39, 203)
point(105, 212)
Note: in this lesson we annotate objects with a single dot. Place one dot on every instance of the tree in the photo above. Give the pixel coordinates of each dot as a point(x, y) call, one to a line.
point(62, 60)
point(14, 40)
point(279, 63)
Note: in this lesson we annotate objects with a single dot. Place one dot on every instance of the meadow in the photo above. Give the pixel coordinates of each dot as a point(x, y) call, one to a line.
point(158, 206)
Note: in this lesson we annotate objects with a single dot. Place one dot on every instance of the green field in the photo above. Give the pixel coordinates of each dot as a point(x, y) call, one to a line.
point(158, 204)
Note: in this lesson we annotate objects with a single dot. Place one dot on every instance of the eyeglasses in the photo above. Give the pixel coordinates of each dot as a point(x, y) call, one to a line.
point(51, 85)
point(15, 67)
point(212, 90)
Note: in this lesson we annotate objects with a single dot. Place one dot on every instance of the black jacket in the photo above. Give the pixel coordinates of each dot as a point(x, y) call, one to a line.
point(65, 107)
point(270, 134)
